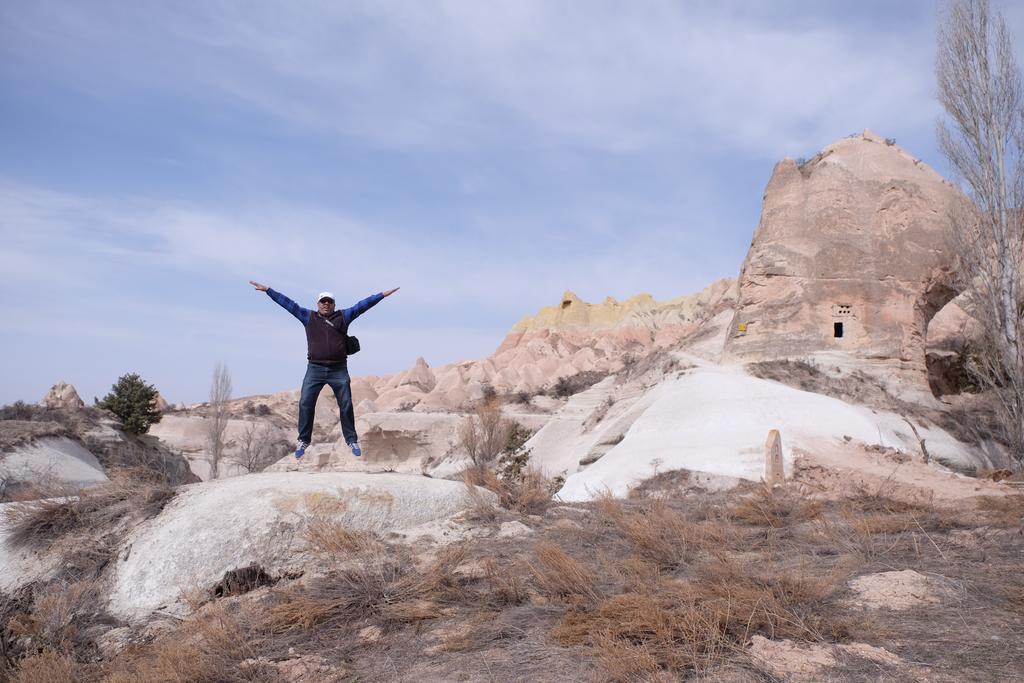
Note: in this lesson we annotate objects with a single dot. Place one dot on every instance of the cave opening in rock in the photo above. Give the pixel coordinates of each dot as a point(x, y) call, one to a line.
point(946, 333)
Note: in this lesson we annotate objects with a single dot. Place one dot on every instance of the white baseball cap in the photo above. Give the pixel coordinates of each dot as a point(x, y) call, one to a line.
point(324, 295)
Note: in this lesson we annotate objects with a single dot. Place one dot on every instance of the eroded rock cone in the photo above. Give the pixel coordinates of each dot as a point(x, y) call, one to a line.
point(62, 395)
point(852, 254)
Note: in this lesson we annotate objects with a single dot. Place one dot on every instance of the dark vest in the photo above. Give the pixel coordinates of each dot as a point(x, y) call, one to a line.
point(325, 339)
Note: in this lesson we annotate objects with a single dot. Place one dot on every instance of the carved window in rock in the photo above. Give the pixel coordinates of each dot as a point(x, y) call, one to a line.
point(840, 311)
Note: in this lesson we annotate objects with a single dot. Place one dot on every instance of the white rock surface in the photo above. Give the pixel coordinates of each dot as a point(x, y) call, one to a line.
point(715, 419)
point(213, 527)
point(52, 461)
point(19, 566)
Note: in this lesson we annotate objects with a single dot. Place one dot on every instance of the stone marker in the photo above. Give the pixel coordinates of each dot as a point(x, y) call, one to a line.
point(773, 472)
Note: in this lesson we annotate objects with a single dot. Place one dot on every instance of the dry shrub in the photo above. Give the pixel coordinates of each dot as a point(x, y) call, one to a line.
point(641, 634)
point(773, 507)
point(331, 539)
point(213, 645)
point(655, 530)
point(482, 630)
point(504, 587)
point(56, 614)
point(48, 666)
point(380, 585)
point(872, 525)
point(561, 576)
point(784, 605)
point(477, 633)
point(338, 598)
point(438, 581)
point(480, 507)
point(636, 573)
point(130, 494)
point(846, 534)
point(485, 433)
point(877, 502)
point(669, 626)
point(1006, 511)
point(672, 482)
point(529, 493)
point(624, 660)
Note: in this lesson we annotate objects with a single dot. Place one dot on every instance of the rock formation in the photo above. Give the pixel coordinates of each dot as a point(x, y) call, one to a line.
point(62, 395)
point(215, 527)
point(161, 403)
point(851, 254)
point(560, 341)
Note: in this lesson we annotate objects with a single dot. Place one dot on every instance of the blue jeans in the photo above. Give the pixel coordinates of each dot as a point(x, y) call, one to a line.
point(336, 376)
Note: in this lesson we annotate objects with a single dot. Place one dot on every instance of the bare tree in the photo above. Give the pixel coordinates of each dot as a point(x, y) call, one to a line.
point(979, 86)
point(220, 394)
point(484, 434)
point(257, 447)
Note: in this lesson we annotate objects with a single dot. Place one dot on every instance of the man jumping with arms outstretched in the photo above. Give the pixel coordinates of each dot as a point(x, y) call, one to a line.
point(326, 339)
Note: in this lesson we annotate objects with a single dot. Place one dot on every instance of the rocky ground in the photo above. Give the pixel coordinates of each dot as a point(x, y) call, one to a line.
point(850, 580)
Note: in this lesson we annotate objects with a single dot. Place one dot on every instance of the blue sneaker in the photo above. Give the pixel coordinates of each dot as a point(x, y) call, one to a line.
point(355, 449)
point(300, 449)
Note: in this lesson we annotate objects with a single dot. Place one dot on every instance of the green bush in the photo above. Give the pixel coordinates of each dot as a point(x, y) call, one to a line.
point(134, 403)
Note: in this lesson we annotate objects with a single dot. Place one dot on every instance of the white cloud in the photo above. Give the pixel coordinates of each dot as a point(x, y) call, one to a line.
point(603, 75)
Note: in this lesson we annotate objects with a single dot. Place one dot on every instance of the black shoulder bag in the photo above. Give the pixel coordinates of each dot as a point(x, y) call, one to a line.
point(351, 343)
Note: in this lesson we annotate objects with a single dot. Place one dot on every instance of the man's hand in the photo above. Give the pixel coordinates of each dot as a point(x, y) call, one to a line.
point(389, 292)
point(264, 288)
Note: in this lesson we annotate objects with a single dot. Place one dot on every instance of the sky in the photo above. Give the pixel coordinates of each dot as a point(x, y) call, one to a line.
point(483, 156)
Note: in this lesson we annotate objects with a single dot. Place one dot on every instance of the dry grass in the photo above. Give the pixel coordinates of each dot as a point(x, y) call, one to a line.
point(773, 507)
point(331, 539)
point(132, 495)
point(656, 531)
point(776, 604)
point(213, 645)
point(529, 494)
point(656, 588)
point(636, 573)
point(670, 626)
point(559, 575)
point(483, 630)
point(56, 614)
point(641, 634)
point(49, 666)
point(480, 507)
point(1007, 511)
point(381, 587)
point(866, 539)
point(503, 587)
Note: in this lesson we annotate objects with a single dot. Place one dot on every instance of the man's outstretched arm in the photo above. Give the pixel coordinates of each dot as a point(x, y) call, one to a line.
point(300, 313)
point(366, 304)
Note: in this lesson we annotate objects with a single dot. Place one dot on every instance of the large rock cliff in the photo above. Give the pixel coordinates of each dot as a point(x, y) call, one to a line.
point(851, 254)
